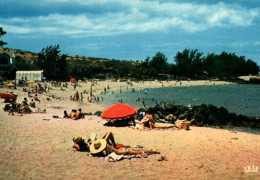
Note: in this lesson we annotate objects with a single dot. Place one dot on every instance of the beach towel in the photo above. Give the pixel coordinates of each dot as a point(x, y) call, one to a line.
point(113, 157)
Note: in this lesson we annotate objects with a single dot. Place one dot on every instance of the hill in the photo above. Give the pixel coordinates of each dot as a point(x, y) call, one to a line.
point(30, 56)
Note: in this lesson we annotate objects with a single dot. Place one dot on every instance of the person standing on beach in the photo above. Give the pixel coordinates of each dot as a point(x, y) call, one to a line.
point(81, 96)
point(77, 95)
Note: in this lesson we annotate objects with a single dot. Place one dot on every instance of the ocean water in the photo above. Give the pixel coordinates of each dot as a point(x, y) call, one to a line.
point(239, 99)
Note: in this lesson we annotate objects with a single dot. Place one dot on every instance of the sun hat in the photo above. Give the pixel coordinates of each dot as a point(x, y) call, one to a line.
point(98, 146)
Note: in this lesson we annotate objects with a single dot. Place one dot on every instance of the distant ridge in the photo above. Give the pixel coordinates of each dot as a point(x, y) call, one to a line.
point(28, 55)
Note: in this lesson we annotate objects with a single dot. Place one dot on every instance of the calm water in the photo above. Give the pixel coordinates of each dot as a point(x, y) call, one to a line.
point(240, 99)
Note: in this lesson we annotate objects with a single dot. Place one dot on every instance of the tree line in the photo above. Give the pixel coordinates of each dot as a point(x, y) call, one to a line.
point(190, 63)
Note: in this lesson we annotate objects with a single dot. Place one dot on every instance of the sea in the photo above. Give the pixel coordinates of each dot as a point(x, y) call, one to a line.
point(240, 99)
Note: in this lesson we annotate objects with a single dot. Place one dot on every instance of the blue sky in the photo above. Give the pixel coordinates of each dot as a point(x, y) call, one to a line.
point(133, 29)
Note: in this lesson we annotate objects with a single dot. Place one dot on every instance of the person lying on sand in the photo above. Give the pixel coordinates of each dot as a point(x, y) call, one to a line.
point(184, 124)
point(80, 144)
point(148, 122)
point(107, 145)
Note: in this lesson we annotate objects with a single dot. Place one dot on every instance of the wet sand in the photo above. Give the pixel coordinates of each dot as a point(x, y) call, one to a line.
point(33, 148)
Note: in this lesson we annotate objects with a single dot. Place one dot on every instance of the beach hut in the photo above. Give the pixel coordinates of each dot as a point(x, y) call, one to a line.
point(119, 111)
point(29, 75)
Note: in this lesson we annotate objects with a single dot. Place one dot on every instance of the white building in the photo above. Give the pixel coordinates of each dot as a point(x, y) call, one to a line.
point(30, 75)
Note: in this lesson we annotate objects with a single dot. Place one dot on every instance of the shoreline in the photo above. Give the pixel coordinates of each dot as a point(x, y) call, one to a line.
point(98, 88)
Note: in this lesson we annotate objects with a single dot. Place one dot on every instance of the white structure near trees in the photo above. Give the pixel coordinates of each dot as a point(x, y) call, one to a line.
point(29, 75)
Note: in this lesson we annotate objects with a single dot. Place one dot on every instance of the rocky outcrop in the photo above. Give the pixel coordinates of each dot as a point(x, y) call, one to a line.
point(204, 115)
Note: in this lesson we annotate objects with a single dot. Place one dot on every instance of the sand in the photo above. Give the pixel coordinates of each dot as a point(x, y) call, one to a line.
point(33, 148)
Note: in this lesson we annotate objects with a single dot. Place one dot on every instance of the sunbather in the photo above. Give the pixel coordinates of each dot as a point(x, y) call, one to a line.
point(184, 124)
point(80, 144)
point(148, 122)
point(107, 144)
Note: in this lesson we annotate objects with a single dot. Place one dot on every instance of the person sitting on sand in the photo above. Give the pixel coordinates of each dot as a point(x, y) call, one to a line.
point(25, 109)
point(65, 115)
point(107, 145)
point(79, 115)
point(148, 122)
point(72, 115)
point(32, 104)
point(24, 102)
point(36, 98)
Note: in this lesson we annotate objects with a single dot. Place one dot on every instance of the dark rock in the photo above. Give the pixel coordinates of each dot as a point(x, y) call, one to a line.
point(203, 115)
point(156, 117)
point(98, 113)
point(171, 118)
point(182, 116)
point(87, 114)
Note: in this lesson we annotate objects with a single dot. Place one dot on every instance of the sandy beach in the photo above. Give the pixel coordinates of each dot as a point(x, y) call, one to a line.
point(33, 148)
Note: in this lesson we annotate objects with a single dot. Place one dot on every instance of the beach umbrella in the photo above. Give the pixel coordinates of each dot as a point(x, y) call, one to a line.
point(72, 80)
point(31, 81)
point(8, 96)
point(9, 85)
point(119, 111)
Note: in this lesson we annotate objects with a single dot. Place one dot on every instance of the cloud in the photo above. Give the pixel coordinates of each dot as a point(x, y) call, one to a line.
point(100, 18)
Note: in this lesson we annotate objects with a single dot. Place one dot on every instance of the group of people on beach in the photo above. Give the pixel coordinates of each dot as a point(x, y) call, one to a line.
point(24, 107)
point(75, 114)
point(91, 98)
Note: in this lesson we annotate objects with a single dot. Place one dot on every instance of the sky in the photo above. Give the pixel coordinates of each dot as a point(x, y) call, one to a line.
point(133, 29)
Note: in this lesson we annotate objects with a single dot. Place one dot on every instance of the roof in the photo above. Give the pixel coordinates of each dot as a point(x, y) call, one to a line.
point(37, 71)
point(10, 55)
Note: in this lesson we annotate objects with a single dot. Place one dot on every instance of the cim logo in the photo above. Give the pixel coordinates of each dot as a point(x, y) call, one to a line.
point(249, 169)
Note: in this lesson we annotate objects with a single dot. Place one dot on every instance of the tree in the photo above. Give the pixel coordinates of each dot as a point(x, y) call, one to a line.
point(48, 61)
point(62, 71)
point(2, 32)
point(189, 62)
point(158, 64)
point(251, 67)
